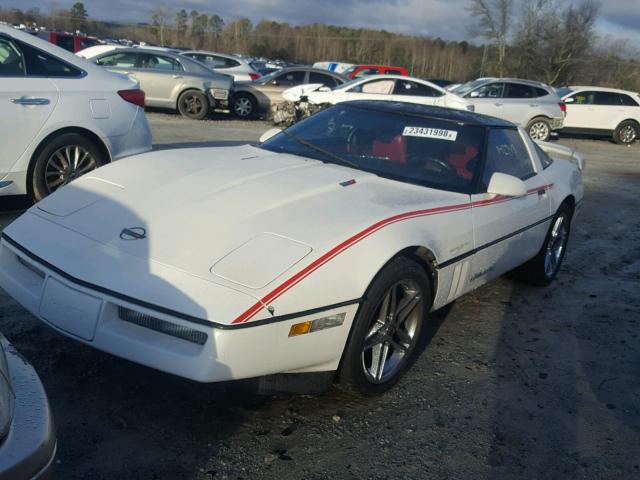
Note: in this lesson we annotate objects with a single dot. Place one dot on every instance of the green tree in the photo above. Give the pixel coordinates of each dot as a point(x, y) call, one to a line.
point(182, 20)
point(79, 15)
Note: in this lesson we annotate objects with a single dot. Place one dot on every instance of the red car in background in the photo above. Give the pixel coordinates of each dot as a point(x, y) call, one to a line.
point(69, 41)
point(358, 71)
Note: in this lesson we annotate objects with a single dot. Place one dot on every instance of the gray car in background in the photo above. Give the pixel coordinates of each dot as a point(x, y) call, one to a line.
point(239, 68)
point(534, 106)
point(27, 435)
point(171, 80)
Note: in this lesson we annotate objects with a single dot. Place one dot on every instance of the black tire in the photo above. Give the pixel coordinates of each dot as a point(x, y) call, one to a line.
point(539, 128)
point(537, 271)
point(193, 104)
point(244, 105)
point(356, 373)
point(51, 171)
point(626, 133)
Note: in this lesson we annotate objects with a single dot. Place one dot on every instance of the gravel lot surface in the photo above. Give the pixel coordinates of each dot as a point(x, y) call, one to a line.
point(517, 382)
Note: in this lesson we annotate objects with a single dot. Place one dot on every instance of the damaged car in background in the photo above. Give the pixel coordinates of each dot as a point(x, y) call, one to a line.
point(319, 253)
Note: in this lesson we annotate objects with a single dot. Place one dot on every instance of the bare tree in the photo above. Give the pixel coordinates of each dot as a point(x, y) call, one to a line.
point(494, 18)
point(161, 16)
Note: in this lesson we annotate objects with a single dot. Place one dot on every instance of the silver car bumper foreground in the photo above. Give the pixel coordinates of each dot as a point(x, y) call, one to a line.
point(29, 449)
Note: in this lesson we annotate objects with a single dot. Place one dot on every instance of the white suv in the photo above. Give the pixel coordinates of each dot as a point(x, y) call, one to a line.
point(602, 111)
point(61, 116)
point(533, 105)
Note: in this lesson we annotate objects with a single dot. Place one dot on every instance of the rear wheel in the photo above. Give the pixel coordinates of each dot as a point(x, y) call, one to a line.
point(387, 329)
point(543, 268)
point(193, 104)
point(539, 129)
point(626, 133)
point(62, 160)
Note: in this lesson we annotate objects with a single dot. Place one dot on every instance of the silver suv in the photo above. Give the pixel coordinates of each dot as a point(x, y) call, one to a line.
point(170, 80)
point(533, 105)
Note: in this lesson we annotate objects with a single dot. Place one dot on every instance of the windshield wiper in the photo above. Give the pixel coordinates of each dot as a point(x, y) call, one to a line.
point(324, 152)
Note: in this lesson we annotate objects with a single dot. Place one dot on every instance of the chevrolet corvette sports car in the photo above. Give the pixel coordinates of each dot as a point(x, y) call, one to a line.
point(323, 249)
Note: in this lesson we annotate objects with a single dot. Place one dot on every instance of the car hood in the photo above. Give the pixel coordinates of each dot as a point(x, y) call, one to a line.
point(238, 216)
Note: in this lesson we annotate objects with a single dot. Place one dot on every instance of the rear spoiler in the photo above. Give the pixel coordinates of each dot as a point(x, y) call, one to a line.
point(567, 153)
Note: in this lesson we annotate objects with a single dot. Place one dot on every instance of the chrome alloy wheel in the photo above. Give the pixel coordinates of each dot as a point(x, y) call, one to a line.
point(556, 246)
point(66, 164)
point(393, 332)
point(628, 134)
point(242, 107)
point(539, 131)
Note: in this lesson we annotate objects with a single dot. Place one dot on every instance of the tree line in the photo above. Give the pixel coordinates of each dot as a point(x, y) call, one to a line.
point(546, 40)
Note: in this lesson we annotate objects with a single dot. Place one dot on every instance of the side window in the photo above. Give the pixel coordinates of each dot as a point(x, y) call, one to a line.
point(378, 87)
point(506, 153)
point(584, 98)
point(626, 100)
point(539, 92)
point(326, 80)
point(518, 90)
point(42, 64)
point(606, 98)
point(66, 41)
point(160, 63)
point(12, 63)
point(215, 62)
point(407, 87)
point(230, 63)
point(86, 42)
point(492, 90)
point(366, 72)
point(544, 157)
point(290, 79)
point(391, 71)
point(119, 60)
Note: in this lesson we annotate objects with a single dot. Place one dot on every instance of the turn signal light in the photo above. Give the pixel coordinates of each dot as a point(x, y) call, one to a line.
point(316, 325)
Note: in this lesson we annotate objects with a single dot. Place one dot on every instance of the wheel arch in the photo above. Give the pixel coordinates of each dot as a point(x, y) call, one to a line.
point(62, 131)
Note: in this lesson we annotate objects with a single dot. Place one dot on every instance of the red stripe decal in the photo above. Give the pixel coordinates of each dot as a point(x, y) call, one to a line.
point(298, 277)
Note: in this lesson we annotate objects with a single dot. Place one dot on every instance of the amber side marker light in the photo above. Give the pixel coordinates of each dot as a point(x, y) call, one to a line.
point(316, 325)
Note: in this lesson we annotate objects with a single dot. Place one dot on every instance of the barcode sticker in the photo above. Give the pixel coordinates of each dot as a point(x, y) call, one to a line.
point(426, 132)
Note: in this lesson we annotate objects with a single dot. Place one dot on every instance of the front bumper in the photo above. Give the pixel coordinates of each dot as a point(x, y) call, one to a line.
point(29, 449)
point(91, 314)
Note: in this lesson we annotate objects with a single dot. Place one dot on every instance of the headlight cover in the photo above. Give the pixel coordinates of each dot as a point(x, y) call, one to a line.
point(7, 395)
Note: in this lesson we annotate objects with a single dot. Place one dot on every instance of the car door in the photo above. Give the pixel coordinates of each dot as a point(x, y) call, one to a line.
point(518, 103)
point(27, 100)
point(374, 89)
point(160, 77)
point(273, 90)
point(488, 99)
point(414, 92)
point(508, 230)
point(582, 112)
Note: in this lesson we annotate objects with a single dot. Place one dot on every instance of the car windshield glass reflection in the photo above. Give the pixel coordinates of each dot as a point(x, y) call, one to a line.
point(412, 149)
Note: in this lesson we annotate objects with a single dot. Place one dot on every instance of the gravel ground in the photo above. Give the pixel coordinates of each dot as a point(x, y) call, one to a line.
point(517, 382)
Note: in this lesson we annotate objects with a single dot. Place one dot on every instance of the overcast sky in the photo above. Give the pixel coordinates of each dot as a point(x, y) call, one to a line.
point(437, 18)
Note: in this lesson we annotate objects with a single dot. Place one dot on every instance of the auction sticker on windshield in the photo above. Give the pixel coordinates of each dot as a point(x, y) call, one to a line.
point(426, 132)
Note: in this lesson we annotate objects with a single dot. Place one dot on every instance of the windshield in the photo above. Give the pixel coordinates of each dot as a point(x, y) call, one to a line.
point(467, 87)
point(412, 149)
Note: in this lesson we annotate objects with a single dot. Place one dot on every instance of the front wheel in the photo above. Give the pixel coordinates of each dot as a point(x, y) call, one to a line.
point(539, 129)
point(387, 329)
point(626, 133)
point(244, 105)
point(193, 104)
point(62, 160)
point(543, 268)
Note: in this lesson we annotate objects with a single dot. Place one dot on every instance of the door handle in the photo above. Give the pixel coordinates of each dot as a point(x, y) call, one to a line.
point(542, 192)
point(534, 105)
point(26, 101)
point(498, 104)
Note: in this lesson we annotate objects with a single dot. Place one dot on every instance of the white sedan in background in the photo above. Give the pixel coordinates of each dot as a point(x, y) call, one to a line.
point(380, 87)
point(61, 116)
point(322, 251)
point(602, 111)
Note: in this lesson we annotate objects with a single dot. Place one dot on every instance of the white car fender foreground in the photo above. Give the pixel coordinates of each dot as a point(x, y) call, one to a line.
point(241, 262)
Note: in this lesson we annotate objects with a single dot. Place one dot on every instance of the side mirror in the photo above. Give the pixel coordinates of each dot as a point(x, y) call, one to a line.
point(272, 132)
point(569, 100)
point(474, 94)
point(506, 185)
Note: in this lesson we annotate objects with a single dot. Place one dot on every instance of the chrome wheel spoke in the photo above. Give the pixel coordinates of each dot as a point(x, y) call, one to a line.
point(407, 307)
point(379, 359)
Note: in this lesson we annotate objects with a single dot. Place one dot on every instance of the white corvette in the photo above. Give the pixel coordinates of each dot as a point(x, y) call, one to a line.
point(321, 250)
